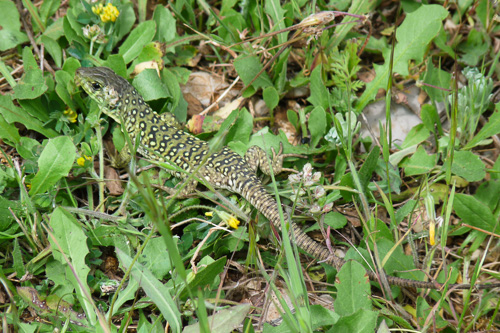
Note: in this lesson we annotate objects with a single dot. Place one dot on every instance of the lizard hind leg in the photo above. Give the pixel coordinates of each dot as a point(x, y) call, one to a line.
point(257, 159)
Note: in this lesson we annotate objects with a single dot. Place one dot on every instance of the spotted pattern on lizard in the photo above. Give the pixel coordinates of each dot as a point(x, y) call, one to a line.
point(160, 138)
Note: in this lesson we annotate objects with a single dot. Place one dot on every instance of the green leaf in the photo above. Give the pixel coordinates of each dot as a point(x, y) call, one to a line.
point(138, 38)
point(319, 93)
point(54, 163)
point(32, 84)
point(474, 48)
point(491, 128)
point(430, 118)
point(487, 193)
point(223, 321)
point(335, 220)
point(8, 132)
point(165, 22)
point(248, 67)
point(411, 44)
point(360, 322)
point(416, 135)
point(317, 125)
point(368, 167)
point(10, 36)
point(353, 287)
point(71, 240)
point(468, 166)
point(149, 85)
point(474, 212)
point(204, 277)
point(439, 78)
point(420, 163)
point(271, 97)
point(54, 49)
point(158, 293)
point(13, 114)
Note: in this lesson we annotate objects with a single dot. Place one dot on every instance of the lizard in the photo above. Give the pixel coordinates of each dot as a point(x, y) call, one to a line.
point(160, 138)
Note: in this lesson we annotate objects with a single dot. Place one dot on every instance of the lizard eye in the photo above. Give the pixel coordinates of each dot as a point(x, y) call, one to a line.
point(96, 86)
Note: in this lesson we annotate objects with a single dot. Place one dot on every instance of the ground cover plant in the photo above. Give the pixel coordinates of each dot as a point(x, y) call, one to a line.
point(90, 244)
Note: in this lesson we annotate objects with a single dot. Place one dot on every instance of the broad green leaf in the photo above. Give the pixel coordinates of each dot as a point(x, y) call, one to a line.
point(242, 129)
point(416, 135)
point(438, 78)
point(474, 212)
point(491, 128)
point(13, 114)
point(64, 81)
point(271, 97)
point(8, 132)
point(317, 125)
point(158, 293)
point(32, 84)
point(335, 220)
point(362, 321)
point(165, 22)
point(71, 240)
point(204, 277)
point(413, 38)
point(353, 289)
point(248, 67)
point(274, 10)
point(319, 93)
point(54, 49)
point(223, 321)
point(488, 194)
point(420, 163)
point(125, 21)
point(138, 38)
point(468, 166)
point(11, 38)
point(149, 85)
point(369, 166)
point(6, 206)
point(430, 118)
point(54, 163)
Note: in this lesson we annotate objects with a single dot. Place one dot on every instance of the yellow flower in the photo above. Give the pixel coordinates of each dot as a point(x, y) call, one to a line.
point(97, 9)
point(432, 233)
point(81, 160)
point(109, 13)
point(71, 115)
point(233, 222)
point(209, 214)
point(230, 220)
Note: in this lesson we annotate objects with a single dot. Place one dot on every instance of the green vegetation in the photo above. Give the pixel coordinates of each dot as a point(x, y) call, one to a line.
point(89, 247)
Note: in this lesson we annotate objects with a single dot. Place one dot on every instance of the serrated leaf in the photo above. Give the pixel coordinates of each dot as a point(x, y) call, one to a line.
point(138, 38)
point(158, 293)
point(468, 166)
point(413, 37)
point(54, 163)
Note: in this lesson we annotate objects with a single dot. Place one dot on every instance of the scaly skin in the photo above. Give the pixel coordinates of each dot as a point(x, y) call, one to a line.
point(160, 138)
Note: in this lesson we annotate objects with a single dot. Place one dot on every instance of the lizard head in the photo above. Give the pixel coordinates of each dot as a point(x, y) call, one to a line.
point(104, 87)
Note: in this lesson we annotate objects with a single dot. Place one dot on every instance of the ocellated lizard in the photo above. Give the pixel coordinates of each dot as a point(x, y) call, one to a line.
point(160, 138)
